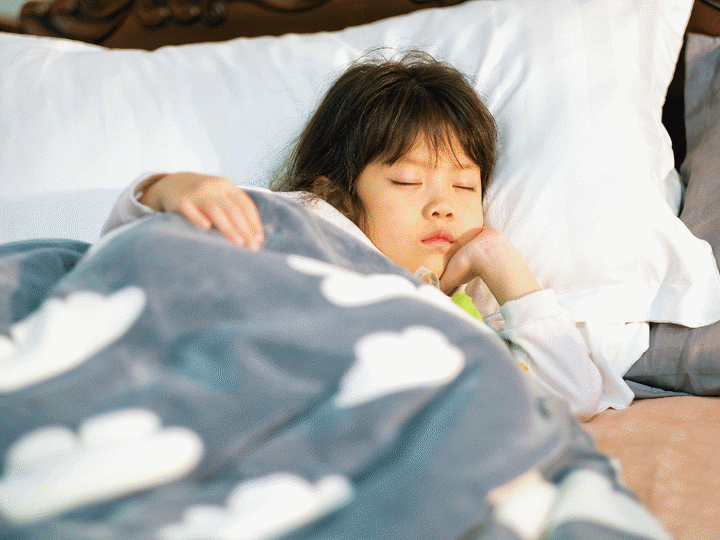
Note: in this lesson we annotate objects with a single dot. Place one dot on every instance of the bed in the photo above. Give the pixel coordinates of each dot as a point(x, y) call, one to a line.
point(156, 384)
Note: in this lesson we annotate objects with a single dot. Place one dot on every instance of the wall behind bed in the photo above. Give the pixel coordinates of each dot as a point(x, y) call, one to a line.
point(10, 9)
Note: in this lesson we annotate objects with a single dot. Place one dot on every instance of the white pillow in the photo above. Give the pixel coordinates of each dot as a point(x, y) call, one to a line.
point(576, 86)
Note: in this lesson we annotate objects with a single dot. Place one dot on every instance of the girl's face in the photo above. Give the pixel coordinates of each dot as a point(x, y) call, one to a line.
point(423, 208)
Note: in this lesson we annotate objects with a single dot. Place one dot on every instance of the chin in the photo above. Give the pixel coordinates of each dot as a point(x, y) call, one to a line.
point(437, 269)
point(435, 266)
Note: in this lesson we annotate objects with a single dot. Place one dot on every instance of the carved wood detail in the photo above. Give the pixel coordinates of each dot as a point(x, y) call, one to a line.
point(99, 21)
point(84, 20)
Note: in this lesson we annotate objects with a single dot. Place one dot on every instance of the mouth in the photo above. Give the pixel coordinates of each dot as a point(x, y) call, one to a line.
point(439, 238)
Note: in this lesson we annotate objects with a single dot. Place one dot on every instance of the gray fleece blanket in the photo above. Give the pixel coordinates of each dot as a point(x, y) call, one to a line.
point(166, 384)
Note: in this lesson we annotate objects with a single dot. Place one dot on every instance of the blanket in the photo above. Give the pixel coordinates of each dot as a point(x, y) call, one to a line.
point(167, 384)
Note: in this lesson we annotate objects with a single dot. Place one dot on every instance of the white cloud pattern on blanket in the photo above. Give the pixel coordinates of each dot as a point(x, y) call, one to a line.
point(388, 362)
point(53, 469)
point(64, 333)
point(263, 509)
point(351, 289)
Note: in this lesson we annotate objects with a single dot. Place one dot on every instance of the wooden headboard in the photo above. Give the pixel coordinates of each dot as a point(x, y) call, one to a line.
point(149, 24)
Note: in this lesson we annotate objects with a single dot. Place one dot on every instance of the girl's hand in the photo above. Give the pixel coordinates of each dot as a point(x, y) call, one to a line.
point(208, 201)
point(491, 257)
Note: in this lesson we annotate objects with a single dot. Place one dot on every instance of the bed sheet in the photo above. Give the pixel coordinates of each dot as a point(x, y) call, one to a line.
point(669, 454)
point(175, 386)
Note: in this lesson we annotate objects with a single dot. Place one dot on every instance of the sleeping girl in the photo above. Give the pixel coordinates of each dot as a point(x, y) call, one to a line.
point(403, 151)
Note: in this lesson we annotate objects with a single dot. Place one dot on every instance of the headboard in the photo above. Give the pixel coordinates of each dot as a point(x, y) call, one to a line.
point(149, 24)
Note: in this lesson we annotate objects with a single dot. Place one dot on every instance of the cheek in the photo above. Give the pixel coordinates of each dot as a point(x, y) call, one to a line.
point(473, 218)
point(381, 232)
point(474, 211)
point(371, 228)
point(384, 219)
point(389, 233)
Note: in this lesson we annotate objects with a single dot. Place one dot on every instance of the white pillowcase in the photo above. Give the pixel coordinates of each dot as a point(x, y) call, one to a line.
point(576, 86)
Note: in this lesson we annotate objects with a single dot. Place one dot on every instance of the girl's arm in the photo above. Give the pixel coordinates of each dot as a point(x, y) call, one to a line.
point(207, 201)
point(543, 336)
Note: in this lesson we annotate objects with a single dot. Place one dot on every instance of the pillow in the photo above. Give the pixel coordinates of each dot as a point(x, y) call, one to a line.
point(682, 359)
point(576, 86)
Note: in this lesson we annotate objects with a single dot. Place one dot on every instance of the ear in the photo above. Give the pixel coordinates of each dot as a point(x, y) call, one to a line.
point(335, 195)
point(320, 186)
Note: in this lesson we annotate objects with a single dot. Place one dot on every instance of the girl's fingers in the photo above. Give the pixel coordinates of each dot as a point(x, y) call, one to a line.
point(224, 223)
point(233, 221)
point(242, 211)
point(252, 215)
point(449, 280)
point(456, 272)
point(188, 210)
point(212, 201)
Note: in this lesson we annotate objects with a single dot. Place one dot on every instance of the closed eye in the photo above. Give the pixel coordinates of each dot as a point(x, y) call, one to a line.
point(468, 188)
point(398, 183)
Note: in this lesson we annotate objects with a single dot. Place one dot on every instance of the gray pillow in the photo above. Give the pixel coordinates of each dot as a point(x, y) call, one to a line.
point(682, 359)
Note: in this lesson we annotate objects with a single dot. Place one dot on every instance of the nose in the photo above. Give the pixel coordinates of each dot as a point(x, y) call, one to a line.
point(439, 205)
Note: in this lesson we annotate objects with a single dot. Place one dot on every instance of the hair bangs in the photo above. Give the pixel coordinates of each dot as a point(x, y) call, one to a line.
point(420, 118)
point(381, 110)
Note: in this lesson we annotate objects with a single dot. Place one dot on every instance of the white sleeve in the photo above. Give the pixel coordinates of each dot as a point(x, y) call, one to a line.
point(545, 340)
point(127, 207)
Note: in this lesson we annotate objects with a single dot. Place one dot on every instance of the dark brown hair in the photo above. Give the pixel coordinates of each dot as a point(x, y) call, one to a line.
point(378, 109)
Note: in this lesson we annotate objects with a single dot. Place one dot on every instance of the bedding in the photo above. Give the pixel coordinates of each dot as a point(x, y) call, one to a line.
point(668, 451)
point(683, 359)
point(81, 121)
point(668, 447)
point(596, 151)
point(220, 393)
